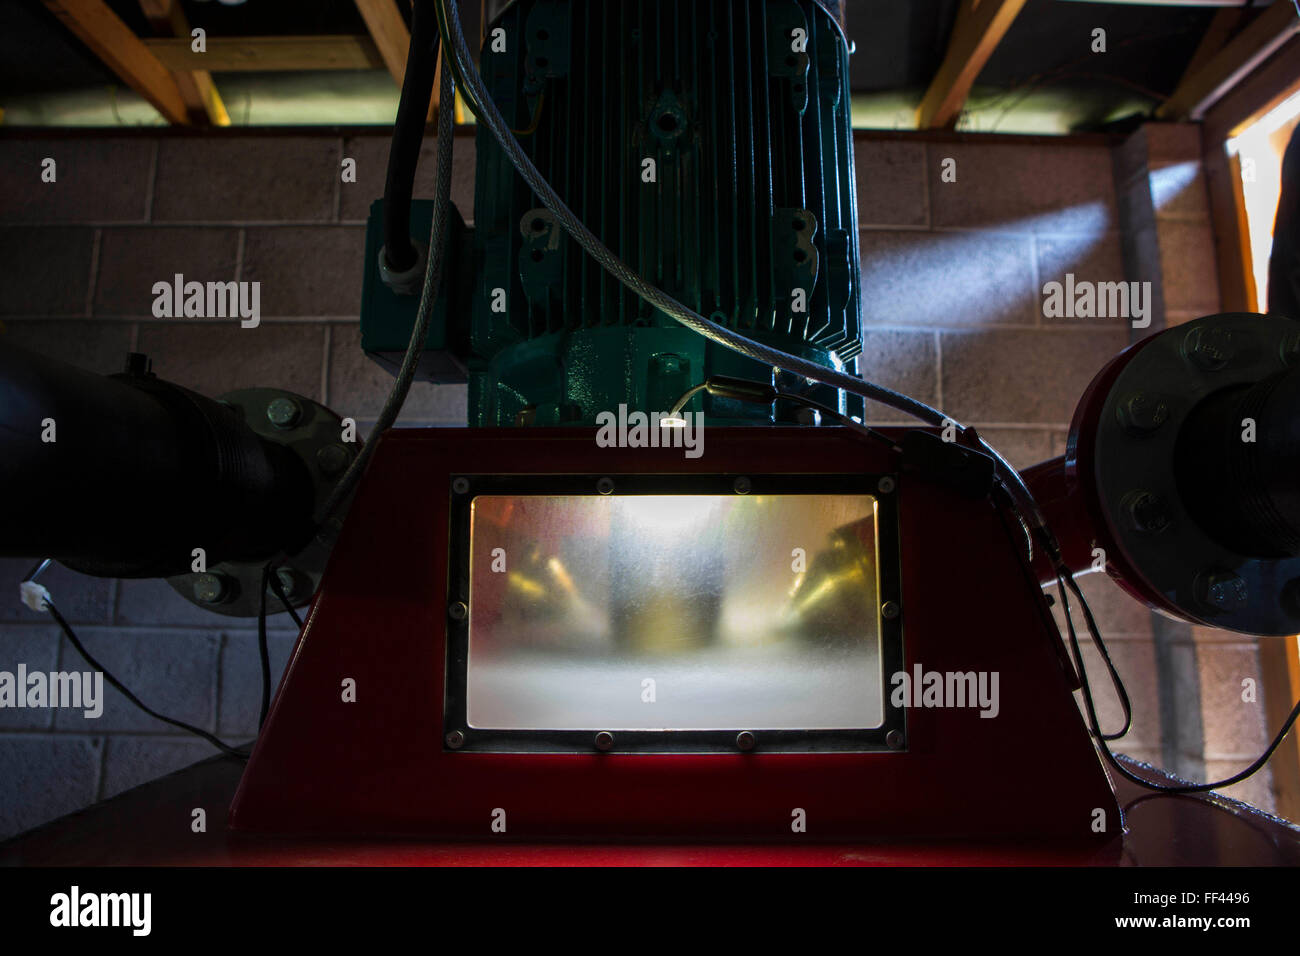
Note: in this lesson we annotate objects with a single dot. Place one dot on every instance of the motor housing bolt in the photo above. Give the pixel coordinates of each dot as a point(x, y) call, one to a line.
point(283, 412)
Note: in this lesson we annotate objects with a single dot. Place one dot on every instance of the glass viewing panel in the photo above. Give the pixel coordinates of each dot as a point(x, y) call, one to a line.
point(674, 612)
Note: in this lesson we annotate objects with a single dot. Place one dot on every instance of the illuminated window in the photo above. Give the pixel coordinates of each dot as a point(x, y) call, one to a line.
point(674, 612)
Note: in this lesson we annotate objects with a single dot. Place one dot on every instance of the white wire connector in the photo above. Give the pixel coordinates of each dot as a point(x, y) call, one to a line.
point(409, 281)
point(34, 595)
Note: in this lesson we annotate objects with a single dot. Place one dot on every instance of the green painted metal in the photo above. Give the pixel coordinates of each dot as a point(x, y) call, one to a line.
point(709, 149)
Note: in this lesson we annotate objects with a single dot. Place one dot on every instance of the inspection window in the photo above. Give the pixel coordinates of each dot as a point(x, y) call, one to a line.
point(674, 613)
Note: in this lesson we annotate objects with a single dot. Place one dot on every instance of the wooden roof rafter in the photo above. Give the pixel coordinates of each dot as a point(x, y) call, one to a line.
point(979, 28)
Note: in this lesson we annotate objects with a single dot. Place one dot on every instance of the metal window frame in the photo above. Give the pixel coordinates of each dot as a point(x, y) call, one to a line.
point(890, 736)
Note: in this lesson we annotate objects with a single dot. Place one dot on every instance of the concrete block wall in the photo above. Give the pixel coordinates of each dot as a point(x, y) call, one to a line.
point(953, 269)
point(952, 272)
point(1160, 173)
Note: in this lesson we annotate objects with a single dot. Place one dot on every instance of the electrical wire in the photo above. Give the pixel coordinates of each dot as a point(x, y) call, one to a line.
point(453, 40)
point(843, 419)
point(408, 134)
point(433, 277)
point(278, 590)
point(1104, 739)
point(122, 689)
point(263, 650)
point(271, 581)
point(1021, 499)
point(776, 394)
point(1066, 71)
point(48, 605)
point(531, 128)
point(1116, 682)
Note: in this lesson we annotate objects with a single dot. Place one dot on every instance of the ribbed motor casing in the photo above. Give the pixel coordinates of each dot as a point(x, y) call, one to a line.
point(708, 143)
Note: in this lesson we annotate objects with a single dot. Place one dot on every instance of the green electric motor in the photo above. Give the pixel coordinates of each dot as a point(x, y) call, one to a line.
point(708, 143)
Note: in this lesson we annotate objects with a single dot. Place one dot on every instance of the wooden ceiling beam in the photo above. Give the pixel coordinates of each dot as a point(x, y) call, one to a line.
point(197, 89)
point(102, 30)
point(269, 54)
point(980, 27)
point(1222, 26)
point(393, 40)
point(1211, 77)
point(387, 28)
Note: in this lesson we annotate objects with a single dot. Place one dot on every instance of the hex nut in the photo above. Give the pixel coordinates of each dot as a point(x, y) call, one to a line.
point(283, 412)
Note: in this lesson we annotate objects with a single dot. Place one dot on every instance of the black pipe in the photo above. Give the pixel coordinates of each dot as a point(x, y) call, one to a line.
point(126, 475)
point(408, 135)
point(1238, 465)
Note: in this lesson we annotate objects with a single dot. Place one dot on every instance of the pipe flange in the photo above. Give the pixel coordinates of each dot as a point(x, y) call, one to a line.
point(315, 435)
point(1133, 464)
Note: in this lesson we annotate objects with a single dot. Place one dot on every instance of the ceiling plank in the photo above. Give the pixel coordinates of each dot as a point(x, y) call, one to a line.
point(980, 27)
point(1201, 88)
point(275, 53)
point(393, 40)
point(388, 30)
point(1269, 86)
point(197, 89)
point(100, 29)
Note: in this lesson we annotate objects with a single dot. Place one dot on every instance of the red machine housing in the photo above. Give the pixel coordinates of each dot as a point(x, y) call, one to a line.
point(379, 765)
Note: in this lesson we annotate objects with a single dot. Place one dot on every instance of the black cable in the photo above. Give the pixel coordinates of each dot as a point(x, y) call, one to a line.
point(1116, 681)
point(456, 54)
point(113, 681)
point(263, 650)
point(408, 136)
point(433, 275)
point(843, 419)
point(1103, 740)
point(37, 570)
point(763, 394)
point(278, 590)
point(271, 580)
point(1022, 500)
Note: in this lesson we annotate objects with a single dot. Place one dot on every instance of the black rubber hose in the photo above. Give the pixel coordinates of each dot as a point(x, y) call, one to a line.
point(408, 135)
point(122, 476)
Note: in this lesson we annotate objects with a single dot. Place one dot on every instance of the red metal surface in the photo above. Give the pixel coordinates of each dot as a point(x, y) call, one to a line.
point(378, 766)
point(150, 826)
point(1067, 492)
point(1061, 500)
